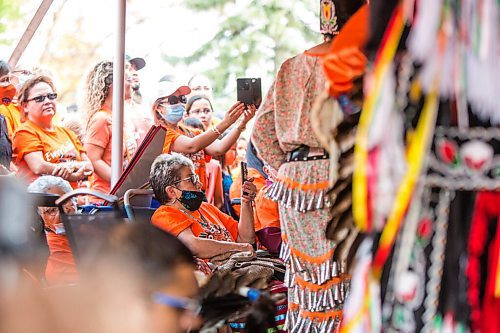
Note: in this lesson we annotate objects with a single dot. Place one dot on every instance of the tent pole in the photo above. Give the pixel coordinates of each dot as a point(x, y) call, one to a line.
point(29, 32)
point(118, 94)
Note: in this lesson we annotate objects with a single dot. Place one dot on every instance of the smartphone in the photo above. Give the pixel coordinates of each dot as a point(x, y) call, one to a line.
point(244, 174)
point(249, 91)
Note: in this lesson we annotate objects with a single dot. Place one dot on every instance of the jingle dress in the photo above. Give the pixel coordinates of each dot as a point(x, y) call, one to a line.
point(316, 284)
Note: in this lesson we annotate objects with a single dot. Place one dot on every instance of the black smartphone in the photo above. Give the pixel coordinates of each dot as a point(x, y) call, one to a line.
point(244, 174)
point(249, 91)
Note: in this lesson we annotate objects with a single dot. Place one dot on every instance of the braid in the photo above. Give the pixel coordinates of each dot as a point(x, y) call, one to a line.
point(97, 85)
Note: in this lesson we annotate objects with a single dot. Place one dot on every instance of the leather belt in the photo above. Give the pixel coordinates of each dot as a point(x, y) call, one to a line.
point(306, 153)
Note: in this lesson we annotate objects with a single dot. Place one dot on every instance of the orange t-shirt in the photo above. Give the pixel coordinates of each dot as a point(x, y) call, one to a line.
point(207, 222)
point(235, 189)
point(214, 191)
point(98, 134)
point(12, 114)
point(61, 268)
point(199, 158)
point(57, 146)
point(266, 212)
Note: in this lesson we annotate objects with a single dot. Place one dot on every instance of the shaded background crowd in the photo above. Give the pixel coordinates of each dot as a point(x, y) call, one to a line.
point(57, 152)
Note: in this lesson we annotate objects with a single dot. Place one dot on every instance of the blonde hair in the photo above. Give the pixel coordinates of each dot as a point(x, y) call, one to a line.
point(96, 89)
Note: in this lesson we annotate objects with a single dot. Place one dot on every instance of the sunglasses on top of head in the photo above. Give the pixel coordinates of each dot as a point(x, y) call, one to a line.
point(41, 98)
point(173, 99)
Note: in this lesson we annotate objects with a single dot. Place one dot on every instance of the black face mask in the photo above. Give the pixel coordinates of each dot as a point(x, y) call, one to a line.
point(192, 200)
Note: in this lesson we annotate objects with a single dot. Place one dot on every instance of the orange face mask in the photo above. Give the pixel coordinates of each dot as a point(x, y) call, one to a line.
point(7, 93)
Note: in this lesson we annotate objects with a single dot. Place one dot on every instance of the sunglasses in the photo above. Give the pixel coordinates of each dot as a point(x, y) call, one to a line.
point(194, 179)
point(173, 99)
point(40, 99)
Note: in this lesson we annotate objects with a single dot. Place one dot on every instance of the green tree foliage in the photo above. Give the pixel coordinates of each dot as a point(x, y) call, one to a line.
point(252, 33)
point(9, 12)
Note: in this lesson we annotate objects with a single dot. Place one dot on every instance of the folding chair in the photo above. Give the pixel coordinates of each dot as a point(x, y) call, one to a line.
point(86, 232)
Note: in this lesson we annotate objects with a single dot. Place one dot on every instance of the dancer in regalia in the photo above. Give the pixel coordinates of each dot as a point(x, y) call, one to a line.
point(284, 139)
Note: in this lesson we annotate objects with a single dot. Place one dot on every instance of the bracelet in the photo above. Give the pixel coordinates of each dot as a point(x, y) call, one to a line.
point(216, 130)
point(242, 128)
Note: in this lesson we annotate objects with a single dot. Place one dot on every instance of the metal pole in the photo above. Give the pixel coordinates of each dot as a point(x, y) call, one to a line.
point(118, 95)
point(29, 32)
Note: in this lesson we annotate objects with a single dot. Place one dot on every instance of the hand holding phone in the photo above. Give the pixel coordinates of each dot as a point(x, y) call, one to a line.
point(249, 91)
point(244, 174)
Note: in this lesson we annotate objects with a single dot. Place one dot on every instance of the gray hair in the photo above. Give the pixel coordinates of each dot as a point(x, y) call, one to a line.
point(165, 171)
point(44, 183)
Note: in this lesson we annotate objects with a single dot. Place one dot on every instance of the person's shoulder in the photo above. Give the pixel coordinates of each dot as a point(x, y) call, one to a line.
point(61, 130)
point(28, 126)
point(208, 207)
point(8, 108)
point(101, 116)
point(165, 211)
point(4, 109)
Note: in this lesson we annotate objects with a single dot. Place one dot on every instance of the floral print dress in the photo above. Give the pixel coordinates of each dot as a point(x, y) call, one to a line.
point(316, 287)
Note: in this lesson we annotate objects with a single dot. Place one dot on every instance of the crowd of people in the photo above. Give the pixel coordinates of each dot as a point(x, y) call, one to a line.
point(369, 202)
point(204, 200)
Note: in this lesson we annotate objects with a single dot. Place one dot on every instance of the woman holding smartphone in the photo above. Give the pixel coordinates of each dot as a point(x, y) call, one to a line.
point(169, 109)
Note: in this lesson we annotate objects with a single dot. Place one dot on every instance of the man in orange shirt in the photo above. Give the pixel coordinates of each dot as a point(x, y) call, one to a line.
point(10, 83)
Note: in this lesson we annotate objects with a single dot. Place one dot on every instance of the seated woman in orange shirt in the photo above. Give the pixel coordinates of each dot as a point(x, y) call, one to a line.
point(205, 230)
point(61, 268)
point(40, 147)
point(169, 109)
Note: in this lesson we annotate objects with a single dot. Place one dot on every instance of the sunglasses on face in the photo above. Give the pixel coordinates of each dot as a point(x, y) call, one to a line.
point(200, 111)
point(194, 179)
point(173, 99)
point(40, 99)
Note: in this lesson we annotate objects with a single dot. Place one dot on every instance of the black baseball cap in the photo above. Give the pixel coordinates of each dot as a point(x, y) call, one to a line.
point(138, 63)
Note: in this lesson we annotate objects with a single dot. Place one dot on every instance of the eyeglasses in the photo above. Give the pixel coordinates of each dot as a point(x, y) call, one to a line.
point(194, 179)
point(181, 303)
point(40, 99)
point(173, 99)
point(200, 111)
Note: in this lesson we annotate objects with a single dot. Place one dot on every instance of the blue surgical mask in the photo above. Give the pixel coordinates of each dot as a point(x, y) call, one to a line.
point(175, 113)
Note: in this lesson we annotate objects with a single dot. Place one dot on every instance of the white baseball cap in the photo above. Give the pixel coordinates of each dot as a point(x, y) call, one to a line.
point(169, 88)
